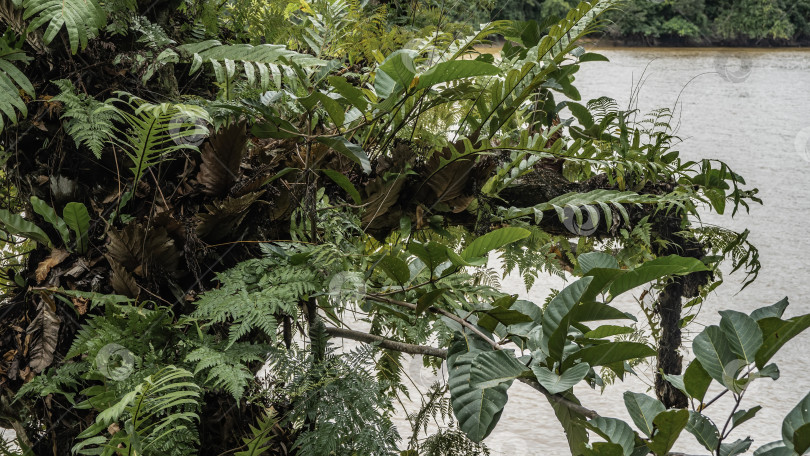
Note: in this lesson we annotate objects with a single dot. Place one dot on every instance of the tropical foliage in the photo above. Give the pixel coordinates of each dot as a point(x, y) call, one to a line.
point(198, 205)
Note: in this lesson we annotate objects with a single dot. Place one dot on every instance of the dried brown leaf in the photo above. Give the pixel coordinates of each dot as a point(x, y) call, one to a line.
point(122, 281)
point(224, 216)
point(382, 196)
point(42, 335)
point(221, 157)
point(54, 259)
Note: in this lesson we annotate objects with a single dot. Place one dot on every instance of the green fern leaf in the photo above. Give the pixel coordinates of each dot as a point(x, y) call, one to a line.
point(81, 18)
point(12, 81)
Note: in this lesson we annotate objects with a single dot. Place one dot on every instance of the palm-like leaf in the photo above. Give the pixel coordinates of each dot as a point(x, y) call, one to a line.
point(81, 18)
point(12, 81)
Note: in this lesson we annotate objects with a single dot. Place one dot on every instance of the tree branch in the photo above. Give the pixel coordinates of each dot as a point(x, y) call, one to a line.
point(440, 353)
point(389, 344)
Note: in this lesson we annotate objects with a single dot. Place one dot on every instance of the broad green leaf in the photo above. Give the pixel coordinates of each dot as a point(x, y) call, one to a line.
point(489, 319)
point(348, 149)
point(603, 354)
point(78, 219)
point(615, 431)
point(16, 225)
point(796, 420)
point(704, 430)
point(49, 214)
point(801, 439)
point(736, 447)
point(490, 369)
point(558, 383)
point(572, 423)
point(597, 311)
point(348, 91)
point(428, 299)
point(776, 333)
point(395, 268)
point(776, 310)
point(654, 270)
point(777, 448)
point(643, 409)
point(607, 331)
point(741, 416)
point(713, 351)
point(591, 260)
point(344, 183)
point(743, 334)
point(555, 318)
point(399, 67)
point(493, 240)
point(477, 410)
point(696, 380)
point(453, 70)
point(604, 449)
point(668, 427)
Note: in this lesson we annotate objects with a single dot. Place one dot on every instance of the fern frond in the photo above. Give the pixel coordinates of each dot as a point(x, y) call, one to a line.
point(81, 18)
point(89, 121)
point(12, 81)
point(153, 131)
point(166, 402)
point(253, 292)
point(271, 61)
point(227, 367)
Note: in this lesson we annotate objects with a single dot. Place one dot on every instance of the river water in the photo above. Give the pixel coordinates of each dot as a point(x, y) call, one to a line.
point(750, 109)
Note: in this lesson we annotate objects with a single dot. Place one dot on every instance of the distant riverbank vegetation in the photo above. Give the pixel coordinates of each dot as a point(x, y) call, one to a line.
point(653, 22)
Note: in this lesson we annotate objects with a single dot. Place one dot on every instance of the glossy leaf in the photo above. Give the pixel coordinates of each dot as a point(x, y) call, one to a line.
point(454, 70)
point(741, 416)
point(654, 270)
point(643, 409)
point(493, 240)
point(49, 214)
point(615, 431)
point(796, 420)
point(395, 268)
point(704, 430)
point(696, 380)
point(713, 351)
point(743, 334)
point(604, 354)
point(555, 383)
point(607, 331)
point(490, 369)
point(591, 260)
point(776, 333)
point(776, 310)
point(78, 219)
point(477, 410)
point(15, 224)
point(736, 447)
point(572, 423)
point(668, 427)
point(555, 317)
point(348, 149)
